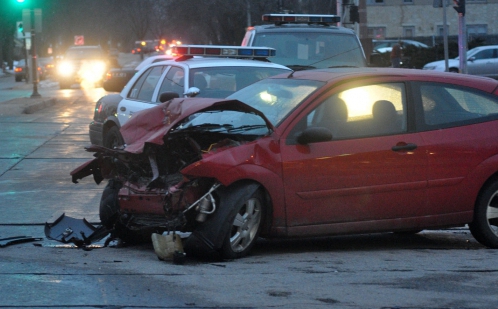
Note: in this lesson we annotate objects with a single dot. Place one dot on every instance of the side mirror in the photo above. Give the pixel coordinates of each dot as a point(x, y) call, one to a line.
point(166, 96)
point(314, 135)
point(192, 92)
point(471, 59)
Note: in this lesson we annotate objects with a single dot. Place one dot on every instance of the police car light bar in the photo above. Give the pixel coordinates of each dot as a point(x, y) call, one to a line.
point(301, 18)
point(222, 51)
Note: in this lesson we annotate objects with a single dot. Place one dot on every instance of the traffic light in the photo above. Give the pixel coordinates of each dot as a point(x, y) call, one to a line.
point(354, 16)
point(459, 6)
point(19, 30)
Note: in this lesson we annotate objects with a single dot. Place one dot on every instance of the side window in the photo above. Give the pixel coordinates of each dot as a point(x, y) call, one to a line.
point(145, 85)
point(485, 54)
point(365, 111)
point(446, 106)
point(173, 81)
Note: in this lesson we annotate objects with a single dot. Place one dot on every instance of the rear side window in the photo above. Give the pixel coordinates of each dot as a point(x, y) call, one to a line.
point(447, 106)
point(143, 88)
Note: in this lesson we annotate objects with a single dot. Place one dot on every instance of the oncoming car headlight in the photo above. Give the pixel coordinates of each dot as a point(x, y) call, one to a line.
point(92, 71)
point(65, 68)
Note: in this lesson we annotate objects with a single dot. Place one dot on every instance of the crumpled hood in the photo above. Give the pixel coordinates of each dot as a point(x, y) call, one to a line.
point(151, 125)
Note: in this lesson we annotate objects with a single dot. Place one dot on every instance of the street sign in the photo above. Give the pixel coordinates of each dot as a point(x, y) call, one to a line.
point(79, 40)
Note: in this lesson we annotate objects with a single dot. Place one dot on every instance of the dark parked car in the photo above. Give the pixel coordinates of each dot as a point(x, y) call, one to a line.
point(116, 78)
point(312, 153)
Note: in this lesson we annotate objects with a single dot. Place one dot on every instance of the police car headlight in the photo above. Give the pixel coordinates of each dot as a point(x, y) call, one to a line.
point(65, 68)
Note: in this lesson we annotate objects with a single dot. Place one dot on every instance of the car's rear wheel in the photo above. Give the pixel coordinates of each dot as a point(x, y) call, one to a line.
point(113, 138)
point(18, 78)
point(453, 70)
point(246, 221)
point(484, 227)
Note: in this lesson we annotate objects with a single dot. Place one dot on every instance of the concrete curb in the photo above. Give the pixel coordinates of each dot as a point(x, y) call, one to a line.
point(39, 105)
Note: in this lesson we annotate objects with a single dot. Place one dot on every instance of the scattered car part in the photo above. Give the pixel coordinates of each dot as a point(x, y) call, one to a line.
point(4, 242)
point(77, 231)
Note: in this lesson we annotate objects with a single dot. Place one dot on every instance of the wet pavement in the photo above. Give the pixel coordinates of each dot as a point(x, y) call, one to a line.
point(432, 269)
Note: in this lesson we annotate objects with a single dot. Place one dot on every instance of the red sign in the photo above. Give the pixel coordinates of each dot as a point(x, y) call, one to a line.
point(79, 40)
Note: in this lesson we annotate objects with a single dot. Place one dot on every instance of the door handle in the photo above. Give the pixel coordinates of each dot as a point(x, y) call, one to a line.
point(404, 147)
point(122, 108)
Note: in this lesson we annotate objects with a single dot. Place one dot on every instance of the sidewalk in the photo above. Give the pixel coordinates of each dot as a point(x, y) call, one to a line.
point(24, 105)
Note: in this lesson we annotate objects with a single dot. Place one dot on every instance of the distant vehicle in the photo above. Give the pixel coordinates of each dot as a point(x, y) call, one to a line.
point(82, 63)
point(308, 154)
point(23, 72)
point(207, 71)
point(307, 41)
point(47, 66)
point(386, 46)
point(116, 79)
point(482, 61)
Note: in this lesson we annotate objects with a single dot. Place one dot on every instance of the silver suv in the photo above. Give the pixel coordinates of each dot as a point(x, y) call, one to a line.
point(307, 41)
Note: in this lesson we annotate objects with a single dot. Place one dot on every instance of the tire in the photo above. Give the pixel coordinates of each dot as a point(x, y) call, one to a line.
point(109, 205)
point(18, 78)
point(484, 227)
point(245, 224)
point(113, 138)
point(453, 70)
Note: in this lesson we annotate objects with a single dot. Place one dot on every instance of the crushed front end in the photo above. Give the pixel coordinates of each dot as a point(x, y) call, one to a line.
point(147, 191)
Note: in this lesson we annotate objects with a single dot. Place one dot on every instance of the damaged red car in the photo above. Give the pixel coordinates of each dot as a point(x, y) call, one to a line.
point(310, 153)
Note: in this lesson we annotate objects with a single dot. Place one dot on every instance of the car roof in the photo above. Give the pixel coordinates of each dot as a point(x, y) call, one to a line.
point(348, 74)
point(204, 62)
point(301, 28)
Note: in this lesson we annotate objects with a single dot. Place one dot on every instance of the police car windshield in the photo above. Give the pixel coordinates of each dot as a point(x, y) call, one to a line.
point(312, 50)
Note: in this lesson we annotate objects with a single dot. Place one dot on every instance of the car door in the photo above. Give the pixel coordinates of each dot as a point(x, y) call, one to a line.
point(370, 174)
point(141, 94)
point(482, 63)
point(460, 137)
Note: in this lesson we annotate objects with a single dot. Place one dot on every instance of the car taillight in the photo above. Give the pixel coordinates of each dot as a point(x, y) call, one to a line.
point(17, 70)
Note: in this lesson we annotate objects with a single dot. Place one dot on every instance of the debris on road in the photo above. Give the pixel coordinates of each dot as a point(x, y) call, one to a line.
point(4, 242)
point(77, 231)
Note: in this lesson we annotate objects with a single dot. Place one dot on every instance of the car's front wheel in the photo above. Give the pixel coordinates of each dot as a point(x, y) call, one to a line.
point(113, 138)
point(245, 220)
point(484, 227)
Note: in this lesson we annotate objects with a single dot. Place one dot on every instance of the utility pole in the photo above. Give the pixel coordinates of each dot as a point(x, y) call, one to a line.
point(459, 6)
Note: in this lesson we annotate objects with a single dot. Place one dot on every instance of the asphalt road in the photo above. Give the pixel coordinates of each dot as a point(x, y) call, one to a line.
point(432, 269)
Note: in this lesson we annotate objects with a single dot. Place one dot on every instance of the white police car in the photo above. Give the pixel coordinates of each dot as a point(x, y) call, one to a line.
point(199, 70)
point(307, 41)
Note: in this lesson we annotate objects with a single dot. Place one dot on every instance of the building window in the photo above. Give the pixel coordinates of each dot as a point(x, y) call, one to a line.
point(477, 30)
point(377, 32)
point(375, 2)
point(408, 31)
point(440, 30)
point(407, 1)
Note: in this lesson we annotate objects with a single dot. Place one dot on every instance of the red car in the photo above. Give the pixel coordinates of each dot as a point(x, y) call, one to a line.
point(309, 153)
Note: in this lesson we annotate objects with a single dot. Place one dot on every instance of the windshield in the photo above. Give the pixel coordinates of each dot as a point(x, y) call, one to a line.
point(276, 98)
point(219, 82)
point(226, 122)
point(313, 50)
point(83, 53)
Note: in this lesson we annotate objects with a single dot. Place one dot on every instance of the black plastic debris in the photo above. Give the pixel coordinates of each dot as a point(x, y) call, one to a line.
point(4, 242)
point(77, 231)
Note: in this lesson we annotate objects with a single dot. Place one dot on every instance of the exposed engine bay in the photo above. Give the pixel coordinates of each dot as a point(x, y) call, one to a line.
point(147, 191)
